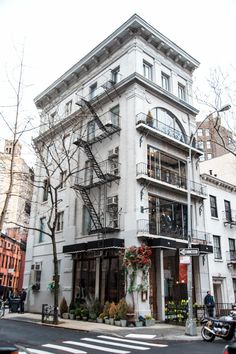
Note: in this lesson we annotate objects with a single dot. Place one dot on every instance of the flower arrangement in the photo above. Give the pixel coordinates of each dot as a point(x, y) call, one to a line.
point(137, 258)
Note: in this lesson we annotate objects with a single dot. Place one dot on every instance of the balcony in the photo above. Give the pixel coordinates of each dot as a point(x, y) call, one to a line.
point(229, 217)
point(167, 179)
point(231, 257)
point(148, 228)
point(201, 237)
point(87, 178)
point(165, 132)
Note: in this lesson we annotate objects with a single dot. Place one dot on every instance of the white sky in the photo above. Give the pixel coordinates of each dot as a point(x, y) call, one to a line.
point(56, 34)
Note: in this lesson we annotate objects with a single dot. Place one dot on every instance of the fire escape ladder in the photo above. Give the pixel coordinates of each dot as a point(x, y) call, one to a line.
point(96, 117)
point(92, 212)
point(91, 158)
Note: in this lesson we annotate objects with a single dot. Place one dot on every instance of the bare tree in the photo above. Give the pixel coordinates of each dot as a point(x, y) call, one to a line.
point(220, 91)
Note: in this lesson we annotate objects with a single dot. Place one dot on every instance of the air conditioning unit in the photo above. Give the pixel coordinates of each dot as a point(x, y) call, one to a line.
point(108, 123)
point(113, 152)
point(112, 201)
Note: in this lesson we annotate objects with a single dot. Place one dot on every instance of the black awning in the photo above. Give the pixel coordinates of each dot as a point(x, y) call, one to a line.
point(94, 245)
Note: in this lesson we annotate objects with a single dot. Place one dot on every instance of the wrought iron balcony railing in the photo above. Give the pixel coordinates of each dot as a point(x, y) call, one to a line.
point(201, 237)
point(155, 123)
point(231, 256)
point(170, 177)
point(229, 217)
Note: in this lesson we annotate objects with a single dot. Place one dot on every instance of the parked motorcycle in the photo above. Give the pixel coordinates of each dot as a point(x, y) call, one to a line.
point(223, 327)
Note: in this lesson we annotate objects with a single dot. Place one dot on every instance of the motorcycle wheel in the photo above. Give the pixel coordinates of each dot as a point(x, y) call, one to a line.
point(206, 335)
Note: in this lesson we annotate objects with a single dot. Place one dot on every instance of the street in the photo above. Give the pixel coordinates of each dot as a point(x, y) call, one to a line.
point(42, 339)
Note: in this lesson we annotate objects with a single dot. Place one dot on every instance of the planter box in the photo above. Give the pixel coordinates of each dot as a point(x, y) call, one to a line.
point(99, 320)
point(123, 323)
point(72, 316)
point(138, 324)
point(107, 321)
point(65, 315)
point(149, 322)
point(111, 320)
point(117, 323)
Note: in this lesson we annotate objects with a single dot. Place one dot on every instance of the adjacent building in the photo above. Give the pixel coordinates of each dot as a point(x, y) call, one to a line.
point(14, 237)
point(128, 106)
point(220, 214)
point(213, 138)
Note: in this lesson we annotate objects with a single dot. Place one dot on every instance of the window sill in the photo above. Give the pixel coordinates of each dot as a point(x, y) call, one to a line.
point(218, 260)
point(214, 218)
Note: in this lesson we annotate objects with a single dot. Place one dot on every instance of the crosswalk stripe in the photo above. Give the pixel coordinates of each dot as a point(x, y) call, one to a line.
point(116, 344)
point(66, 349)
point(37, 351)
point(142, 336)
point(91, 346)
point(134, 341)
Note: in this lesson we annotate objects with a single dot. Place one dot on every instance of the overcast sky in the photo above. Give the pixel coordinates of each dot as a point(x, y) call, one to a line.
point(56, 34)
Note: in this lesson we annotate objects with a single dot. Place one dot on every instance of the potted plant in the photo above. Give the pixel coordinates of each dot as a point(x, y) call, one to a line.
point(149, 320)
point(112, 312)
point(122, 308)
point(72, 314)
point(63, 307)
point(106, 312)
point(85, 313)
point(100, 318)
point(78, 313)
point(149, 118)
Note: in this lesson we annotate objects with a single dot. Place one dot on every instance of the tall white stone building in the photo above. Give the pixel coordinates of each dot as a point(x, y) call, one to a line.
point(132, 99)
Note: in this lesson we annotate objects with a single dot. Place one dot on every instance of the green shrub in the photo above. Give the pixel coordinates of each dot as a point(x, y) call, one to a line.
point(106, 308)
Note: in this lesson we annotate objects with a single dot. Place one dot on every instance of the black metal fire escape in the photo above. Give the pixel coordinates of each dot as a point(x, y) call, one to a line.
point(102, 178)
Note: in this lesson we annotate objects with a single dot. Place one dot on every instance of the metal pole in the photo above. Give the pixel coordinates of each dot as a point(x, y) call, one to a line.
point(190, 326)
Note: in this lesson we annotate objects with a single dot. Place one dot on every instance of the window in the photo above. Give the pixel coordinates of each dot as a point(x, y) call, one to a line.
point(91, 130)
point(234, 286)
point(232, 249)
point(181, 92)
point(115, 111)
point(115, 75)
point(63, 179)
point(92, 91)
point(207, 132)
point(165, 82)
point(217, 247)
point(27, 207)
point(86, 221)
point(45, 190)
point(200, 145)
point(208, 144)
point(199, 132)
point(228, 215)
point(60, 221)
point(147, 70)
point(52, 119)
point(202, 157)
point(42, 229)
point(213, 206)
point(68, 107)
point(209, 156)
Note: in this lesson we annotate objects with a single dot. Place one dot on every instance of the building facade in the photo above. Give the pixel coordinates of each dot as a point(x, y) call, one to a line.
point(220, 213)
point(213, 138)
point(131, 98)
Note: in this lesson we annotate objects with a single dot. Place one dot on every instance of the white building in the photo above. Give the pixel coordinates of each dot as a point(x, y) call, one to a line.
point(220, 214)
point(131, 98)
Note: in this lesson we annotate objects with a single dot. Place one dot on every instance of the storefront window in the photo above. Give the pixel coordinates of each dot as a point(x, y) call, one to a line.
point(167, 218)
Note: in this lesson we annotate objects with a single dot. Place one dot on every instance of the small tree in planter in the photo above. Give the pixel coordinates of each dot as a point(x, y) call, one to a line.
point(122, 309)
point(106, 311)
point(84, 313)
point(112, 312)
point(100, 318)
point(78, 313)
point(63, 307)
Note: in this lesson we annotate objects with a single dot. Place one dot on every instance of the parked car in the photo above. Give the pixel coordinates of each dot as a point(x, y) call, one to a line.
point(230, 348)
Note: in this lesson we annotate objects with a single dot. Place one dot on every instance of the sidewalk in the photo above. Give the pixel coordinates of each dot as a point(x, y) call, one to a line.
point(161, 330)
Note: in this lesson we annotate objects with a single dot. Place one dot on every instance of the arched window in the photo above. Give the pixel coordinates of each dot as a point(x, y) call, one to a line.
point(166, 122)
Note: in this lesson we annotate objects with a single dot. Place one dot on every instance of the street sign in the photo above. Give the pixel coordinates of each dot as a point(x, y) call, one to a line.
point(184, 259)
point(189, 251)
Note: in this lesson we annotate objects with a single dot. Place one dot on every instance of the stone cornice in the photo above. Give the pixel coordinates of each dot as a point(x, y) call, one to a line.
point(133, 27)
point(218, 182)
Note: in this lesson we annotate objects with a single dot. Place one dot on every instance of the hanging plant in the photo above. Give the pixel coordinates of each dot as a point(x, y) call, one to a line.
point(137, 258)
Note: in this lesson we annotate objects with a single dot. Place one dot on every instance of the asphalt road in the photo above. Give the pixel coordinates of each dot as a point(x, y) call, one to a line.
point(43, 340)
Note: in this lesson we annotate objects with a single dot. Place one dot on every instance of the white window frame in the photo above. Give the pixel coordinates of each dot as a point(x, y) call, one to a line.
point(69, 107)
point(60, 221)
point(217, 247)
point(208, 144)
point(165, 81)
point(181, 92)
point(147, 70)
